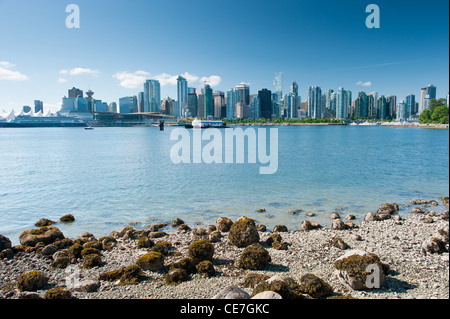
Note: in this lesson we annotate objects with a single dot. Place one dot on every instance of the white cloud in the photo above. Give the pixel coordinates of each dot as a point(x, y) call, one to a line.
point(10, 75)
point(366, 84)
point(132, 80)
point(80, 71)
point(62, 80)
point(166, 79)
point(213, 80)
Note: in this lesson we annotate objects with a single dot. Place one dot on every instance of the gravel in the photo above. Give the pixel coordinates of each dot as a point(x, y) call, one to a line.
point(413, 275)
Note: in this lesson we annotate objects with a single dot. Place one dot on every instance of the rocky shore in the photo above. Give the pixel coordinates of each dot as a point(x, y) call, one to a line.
point(383, 257)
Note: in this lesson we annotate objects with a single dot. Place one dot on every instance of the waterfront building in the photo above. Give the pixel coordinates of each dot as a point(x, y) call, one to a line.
point(315, 102)
point(382, 105)
point(372, 107)
point(209, 101)
point(167, 106)
point(255, 107)
point(231, 102)
point(402, 112)
point(430, 93)
point(68, 105)
point(112, 107)
point(74, 93)
point(242, 93)
point(152, 96)
point(343, 100)
point(201, 104)
point(278, 84)
point(265, 102)
point(392, 106)
point(100, 106)
point(411, 105)
point(81, 104)
point(140, 102)
point(219, 103)
point(128, 104)
point(182, 93)
point(361, 106)
point(192, 103)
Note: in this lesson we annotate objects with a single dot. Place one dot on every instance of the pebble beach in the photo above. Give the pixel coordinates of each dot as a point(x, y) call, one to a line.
point(416, 271)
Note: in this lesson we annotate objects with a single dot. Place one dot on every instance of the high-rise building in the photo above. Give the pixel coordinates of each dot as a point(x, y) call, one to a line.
point(383, 111)
point(265, 102)
point(231, 102)
point(112, 107)
point(278, 84)
point(255, 107)
point(128, 104)
point(68, 105)
point(392, 106)
point(372, 100)
point(361, 106)
point(219, 103)
point(330, 104)
point(430, 93)
point(402, 112)
point(167, 106)
point(141, 102)
point(74, 93)
point(38, 106)
point(343, 100)
point(209, 101)
point(315, 102)
point(192, 103)
point(152, 96)
point(242, 93)
point(201, 104)
point(411, 105)
point(182, 92)
point(80, 104)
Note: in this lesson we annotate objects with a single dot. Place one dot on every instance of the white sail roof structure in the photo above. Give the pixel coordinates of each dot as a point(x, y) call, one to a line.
point(11, 116)
point(38, 114)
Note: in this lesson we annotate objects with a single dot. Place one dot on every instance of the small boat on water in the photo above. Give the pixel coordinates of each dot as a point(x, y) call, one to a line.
point(203, 124)
point(89, 128)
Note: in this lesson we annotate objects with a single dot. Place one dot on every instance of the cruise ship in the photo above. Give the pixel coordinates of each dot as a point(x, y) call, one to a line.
point(43, 121)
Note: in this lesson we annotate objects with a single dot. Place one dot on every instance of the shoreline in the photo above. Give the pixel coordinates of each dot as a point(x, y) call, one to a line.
point(399, 243)
point(423, 126)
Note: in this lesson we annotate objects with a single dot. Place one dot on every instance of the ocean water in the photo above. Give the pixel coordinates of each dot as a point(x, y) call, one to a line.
point(110, 177)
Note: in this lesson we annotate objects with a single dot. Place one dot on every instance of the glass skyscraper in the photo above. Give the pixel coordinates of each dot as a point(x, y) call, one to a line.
point(209, 101)
point(343, 100)
point(152, 96)
point(182, 92)
point(315, 102)
point(231, 103)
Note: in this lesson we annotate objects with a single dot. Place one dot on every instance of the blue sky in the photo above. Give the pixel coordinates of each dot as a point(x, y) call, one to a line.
point(120, 43)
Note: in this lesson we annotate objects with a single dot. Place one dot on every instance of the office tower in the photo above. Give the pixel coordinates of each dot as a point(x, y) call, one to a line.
point(192, 103)
point(265, 102)
point(361, 106)
point(38, 106)
point(219, 103)
point(401, 111)
point(167, 106)
point(201, 104)
point(68, 104)
point(112, 107)
point(152, 96)
point(209, 102)
point(80, 104)
point(231, 102)
point(140, 102)
point(329, 100)
point(423, 93)
point(294, 88)
point(278, 85)
point(410, 105)
point(74, 93)
point(430, 93)
point(372, 108)
point(100, 106)
point(342, 103)
point(315, 102)
point(392, 106)
point(382, 106)
point(182, 92)
point(255, 107)
point(242, 93)
point(128, 104)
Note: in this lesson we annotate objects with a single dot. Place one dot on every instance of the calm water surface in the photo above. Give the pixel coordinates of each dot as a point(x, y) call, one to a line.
point(110, 177)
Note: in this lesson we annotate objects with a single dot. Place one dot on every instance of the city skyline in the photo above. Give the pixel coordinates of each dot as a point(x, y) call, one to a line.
point(43, 57)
